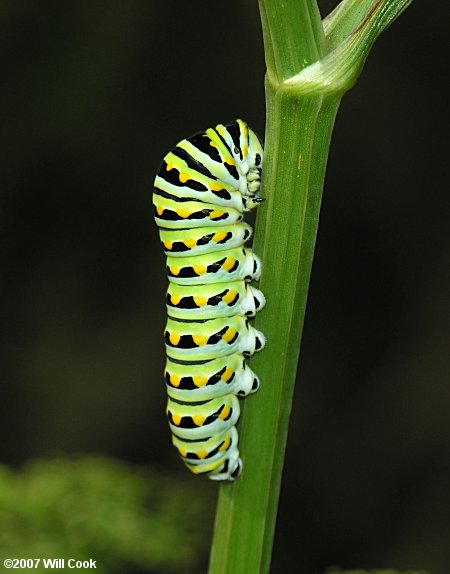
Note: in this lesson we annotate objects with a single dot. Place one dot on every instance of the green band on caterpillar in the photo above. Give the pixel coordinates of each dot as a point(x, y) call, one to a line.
point(200, 240)
point(210, 379)
point(199, 302)
point(202, 190)
point(206, 340)
point(214, 267)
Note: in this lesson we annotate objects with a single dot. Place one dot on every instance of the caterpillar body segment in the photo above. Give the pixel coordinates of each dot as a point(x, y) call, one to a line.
point(214, 267)
point(202, 419)
point(211, 153)
point(205, 340)
point(211, 454)
point(177, 179)
point(200, 240)
point(172, 214)
point(202, 190)
point(197, 302)
point(209, 379)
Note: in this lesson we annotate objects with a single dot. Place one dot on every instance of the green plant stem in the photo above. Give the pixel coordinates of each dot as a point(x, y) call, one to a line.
point(304, 87)
point(300, 139)
point(297, 139)
point(285, 54)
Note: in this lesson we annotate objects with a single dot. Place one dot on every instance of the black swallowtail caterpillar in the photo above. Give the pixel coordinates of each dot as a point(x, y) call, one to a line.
point(203, 187)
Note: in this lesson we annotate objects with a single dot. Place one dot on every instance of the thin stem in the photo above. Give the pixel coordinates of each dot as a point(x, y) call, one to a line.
point(300, 39)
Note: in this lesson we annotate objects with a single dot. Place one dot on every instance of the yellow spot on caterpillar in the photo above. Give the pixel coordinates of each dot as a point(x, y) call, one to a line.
point(175, 299)
point(219, 236)
point(228, 264)
point(215, 214)
point(190, 243)
point(229, 335)
point(202, 453)
point(230, 296)
point(216, 187)
point(174, 338)
point(193, 468)
point(211, 143)
point(184, 177)
point(200, 269)
point(244, 150)
point(200, 339)
point(183, 213)
point(168, 245)
point(182, 451)
point(174, 269)
point(199, 381)
point(225, 444)
point(198, 420)
point(200, 301)
point(176, 419)
point(170, 166)
point(229, 160)
point(225, 412)
point(175, 380)
point(159, 210)
point(227, 374)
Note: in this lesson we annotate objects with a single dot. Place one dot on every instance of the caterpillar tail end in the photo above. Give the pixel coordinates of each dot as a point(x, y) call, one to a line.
point(230, 472)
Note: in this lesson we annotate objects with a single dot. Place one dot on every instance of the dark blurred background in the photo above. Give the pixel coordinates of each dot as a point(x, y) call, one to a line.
point(93, 95)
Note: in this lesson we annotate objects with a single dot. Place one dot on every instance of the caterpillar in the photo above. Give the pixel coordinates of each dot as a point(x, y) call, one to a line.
point(201, 191)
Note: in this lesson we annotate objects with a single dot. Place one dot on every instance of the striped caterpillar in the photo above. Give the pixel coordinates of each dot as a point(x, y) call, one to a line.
point(202, 189)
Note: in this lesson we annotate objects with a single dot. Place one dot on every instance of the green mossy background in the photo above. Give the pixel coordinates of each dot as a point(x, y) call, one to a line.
point(126, 518)
point(93, 95)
